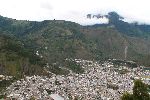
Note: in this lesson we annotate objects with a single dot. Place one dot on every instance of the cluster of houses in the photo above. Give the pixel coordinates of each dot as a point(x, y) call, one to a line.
point(3, 77)
point(100, 81)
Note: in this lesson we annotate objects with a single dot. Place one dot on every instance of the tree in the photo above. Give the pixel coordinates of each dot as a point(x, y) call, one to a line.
point(114, 17)
point(127, 96)
point(32, 98)
point(140, 91)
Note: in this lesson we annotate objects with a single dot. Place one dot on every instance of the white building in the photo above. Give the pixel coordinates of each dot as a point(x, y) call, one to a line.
point(56, 97)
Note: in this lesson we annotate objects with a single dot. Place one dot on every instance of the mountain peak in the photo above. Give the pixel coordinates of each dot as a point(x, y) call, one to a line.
point(111, 16)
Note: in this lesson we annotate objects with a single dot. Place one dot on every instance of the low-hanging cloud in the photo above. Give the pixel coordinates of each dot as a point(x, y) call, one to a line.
point(75, 10)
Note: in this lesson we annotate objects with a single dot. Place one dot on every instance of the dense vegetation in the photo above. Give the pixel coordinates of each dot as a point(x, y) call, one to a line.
point(16, 59)
point(140, 92)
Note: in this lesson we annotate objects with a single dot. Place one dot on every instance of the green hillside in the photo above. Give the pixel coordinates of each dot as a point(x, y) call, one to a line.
point(56, 40)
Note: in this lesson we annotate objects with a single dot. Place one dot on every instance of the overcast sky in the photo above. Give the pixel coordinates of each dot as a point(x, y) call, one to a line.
point(75, 10)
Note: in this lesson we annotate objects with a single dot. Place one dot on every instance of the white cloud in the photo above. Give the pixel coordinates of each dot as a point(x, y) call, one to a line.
point(74, 10)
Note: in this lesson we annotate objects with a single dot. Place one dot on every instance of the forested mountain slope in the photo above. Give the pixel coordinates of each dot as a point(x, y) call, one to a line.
point(28, 47)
